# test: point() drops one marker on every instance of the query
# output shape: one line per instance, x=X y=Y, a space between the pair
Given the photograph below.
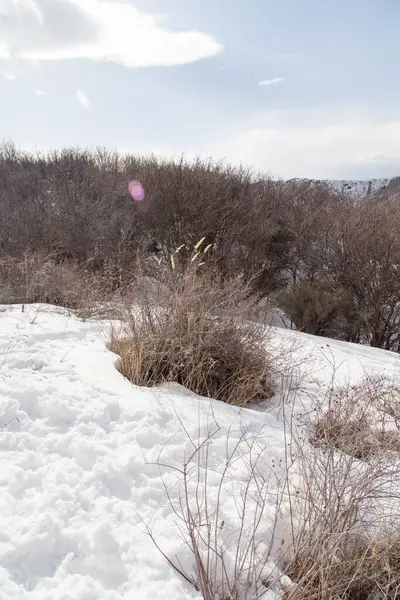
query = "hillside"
x=80 y=490
x=360 y=188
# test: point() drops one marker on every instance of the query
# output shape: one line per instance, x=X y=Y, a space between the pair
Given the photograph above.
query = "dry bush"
x=344 y=277
x=335 y=534
x=344 y=511
x=76 y=203
x=38 y=279
x=366 y=570
x=335 y=542
x=366 y=264
x=228 y=526
x=73 y=201
x=314 y=307
x=201 y=337
x=310 y=212
x=359 y=420
x=328 y=250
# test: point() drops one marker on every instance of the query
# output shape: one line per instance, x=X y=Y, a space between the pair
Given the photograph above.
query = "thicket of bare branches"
x=320 y=523
x=227 y=512
x=331 y=263
x=344 y=506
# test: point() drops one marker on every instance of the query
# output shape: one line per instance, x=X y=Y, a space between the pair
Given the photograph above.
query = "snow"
x=78 y=446
x=355 y=188
x=360 y=188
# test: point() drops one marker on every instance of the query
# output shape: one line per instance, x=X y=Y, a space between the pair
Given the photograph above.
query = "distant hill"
x=361 y=188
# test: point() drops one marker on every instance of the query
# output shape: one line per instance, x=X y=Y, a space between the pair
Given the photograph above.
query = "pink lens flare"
x=136 y=190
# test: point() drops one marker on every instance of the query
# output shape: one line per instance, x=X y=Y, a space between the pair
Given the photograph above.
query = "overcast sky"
x=294 y=88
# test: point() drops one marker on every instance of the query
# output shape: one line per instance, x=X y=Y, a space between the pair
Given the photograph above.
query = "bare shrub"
x=344 y=510
x=338 y=543
x=36 y=278
x=229 y=527
x=366 y=570
x=343 y=275
x=319 y=252
x=201 y=337
x=366 y=264
x=327 y=520
x=358 y=420
x=314 y=307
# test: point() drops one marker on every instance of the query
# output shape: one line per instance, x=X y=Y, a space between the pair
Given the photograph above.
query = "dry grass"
x=360 y=420
x=336 y=532
x=201 y=337
x=366 y=571
x=345 y=519
x=335 y=535
x=37 y=278
x=353 y=436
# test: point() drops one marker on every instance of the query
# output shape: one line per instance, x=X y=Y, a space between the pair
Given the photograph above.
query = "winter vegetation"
x=70 y=233
x=200 y=392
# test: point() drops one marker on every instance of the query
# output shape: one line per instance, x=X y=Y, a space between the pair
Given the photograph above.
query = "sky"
x=290 y=88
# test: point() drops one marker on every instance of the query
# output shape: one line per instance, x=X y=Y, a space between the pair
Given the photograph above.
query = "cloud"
x=288 y=56
x=274 y=81
x=40 y=92
x=8 y=76
x=99 y=30
x=82 y=99
x=320 y=144
x=372 y=159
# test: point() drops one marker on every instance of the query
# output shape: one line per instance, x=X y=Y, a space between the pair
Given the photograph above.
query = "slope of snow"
x=78 y=443
x=355 y=188
x=360 y=188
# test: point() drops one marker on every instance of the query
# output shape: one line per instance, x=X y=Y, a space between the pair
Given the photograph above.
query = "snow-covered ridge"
x=359 y=188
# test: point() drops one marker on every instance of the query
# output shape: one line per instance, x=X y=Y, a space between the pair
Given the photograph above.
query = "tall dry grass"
x=198 y=334
x=38 y=278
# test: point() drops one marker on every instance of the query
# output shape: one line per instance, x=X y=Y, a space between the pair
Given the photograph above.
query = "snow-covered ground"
x=78 y=443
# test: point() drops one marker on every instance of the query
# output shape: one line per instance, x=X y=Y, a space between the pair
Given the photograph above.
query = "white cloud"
x=101 y=30
x=371 y=159
x=40 y=92
x=8 y=76
x=320 y=144
x=82 y=99
x=274 y=81
x=288 y=56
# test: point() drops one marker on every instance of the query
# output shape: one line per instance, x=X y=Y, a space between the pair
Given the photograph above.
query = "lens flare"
x=136 y=190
